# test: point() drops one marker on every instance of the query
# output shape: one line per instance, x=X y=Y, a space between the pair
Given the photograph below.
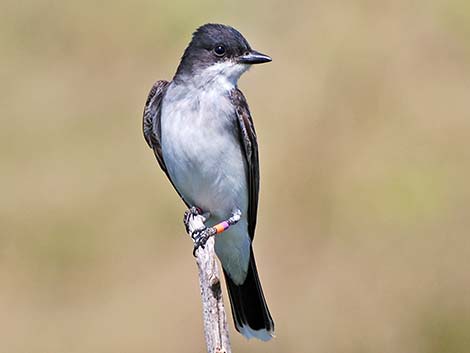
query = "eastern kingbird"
x=201 y=131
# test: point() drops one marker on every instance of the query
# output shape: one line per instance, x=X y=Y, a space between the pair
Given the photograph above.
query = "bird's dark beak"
x=254 y=57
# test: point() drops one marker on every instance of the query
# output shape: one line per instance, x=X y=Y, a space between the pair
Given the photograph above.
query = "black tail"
x=250 y=311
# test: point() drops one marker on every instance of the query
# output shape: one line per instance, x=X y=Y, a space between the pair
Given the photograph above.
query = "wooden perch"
x=215 y=318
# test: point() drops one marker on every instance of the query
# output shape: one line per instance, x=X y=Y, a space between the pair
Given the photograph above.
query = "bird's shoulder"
x=152 y=112
x=245 y=120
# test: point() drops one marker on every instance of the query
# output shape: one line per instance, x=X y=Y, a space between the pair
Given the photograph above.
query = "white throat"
x=223 y=75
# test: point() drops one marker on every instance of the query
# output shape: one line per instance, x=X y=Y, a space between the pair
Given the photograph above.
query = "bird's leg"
x=201 y=234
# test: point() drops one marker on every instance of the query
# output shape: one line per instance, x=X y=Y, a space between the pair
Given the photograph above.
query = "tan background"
x=363 y=120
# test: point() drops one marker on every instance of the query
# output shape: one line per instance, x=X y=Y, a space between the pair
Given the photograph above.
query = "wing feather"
x=151 y=120
x=250 y=147
x=151 y=125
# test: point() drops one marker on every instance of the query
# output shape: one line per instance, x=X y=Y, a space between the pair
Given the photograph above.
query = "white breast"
x=201 y=149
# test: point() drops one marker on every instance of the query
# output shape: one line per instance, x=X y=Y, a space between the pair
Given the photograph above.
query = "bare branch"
x=215 y=318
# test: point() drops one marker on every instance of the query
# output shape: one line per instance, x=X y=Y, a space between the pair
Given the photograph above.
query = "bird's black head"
x=221 y=48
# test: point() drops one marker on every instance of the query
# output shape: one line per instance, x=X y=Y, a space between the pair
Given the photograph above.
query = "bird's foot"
x=189 y=215
x=193 y=220
x=200 y=238
x=194 y=223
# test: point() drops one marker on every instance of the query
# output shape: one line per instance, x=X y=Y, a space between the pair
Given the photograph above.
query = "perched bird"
x=201 y=131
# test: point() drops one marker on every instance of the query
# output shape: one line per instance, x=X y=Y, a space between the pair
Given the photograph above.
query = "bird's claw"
x=200 y=237
x=189 y=215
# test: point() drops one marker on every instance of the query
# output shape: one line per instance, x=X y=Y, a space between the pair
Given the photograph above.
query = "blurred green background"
x=363 y=120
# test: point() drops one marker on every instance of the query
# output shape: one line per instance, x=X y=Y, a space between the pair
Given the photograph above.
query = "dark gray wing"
x=250 y=145
x=151 y=121
x=151 y=124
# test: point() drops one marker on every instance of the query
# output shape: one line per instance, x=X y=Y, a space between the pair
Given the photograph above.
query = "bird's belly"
x=206 y=164
x=206 y=185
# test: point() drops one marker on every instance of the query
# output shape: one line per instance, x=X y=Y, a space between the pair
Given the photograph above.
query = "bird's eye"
x=219 y=50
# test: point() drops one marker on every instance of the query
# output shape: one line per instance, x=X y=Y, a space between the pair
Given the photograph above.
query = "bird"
x=200 y=129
